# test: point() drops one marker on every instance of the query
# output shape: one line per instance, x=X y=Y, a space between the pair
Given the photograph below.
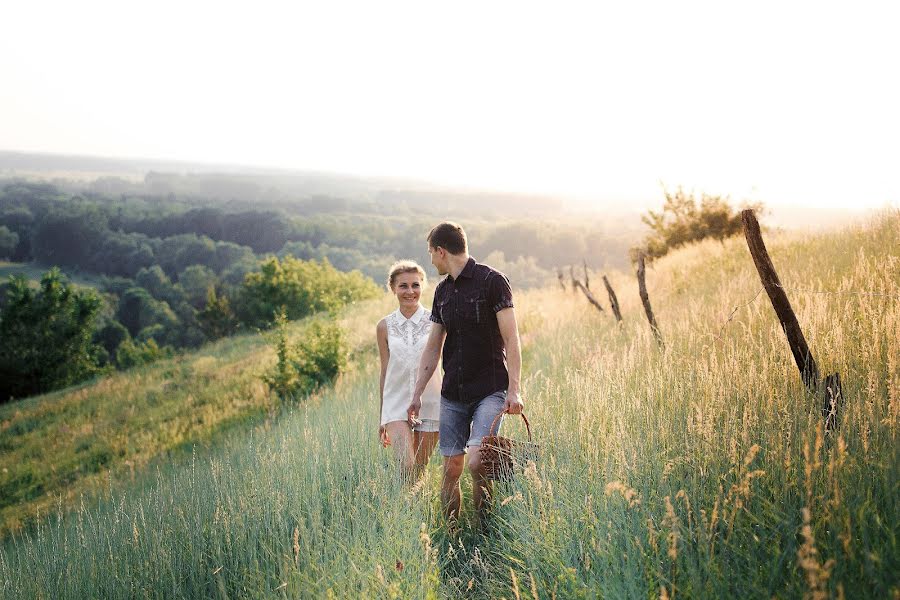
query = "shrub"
x=134 y=354
x=312 y=362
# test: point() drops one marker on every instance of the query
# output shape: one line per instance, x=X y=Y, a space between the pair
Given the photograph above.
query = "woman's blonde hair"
x=405 y=266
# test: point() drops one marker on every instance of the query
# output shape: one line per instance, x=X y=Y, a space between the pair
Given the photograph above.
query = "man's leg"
x=450 y=494
x=481 y=485
x=456 y=419
x=483 y=418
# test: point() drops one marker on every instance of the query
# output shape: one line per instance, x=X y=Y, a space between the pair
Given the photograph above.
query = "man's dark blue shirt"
x=474 y=354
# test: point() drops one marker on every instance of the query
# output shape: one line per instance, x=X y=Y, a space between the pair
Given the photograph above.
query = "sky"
x=789 y=103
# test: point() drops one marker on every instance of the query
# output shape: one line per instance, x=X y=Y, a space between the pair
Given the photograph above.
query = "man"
x=474 y=319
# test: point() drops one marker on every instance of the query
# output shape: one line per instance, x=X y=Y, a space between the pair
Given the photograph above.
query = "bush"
x=134 y=354
x=314 y=361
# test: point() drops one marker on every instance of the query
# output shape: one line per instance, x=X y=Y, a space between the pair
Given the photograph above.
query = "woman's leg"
x=424 y=441
x=402 y=442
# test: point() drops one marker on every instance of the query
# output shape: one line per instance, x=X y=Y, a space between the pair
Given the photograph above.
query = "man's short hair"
x=449 y=236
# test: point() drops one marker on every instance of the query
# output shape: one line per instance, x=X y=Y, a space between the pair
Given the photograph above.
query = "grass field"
x=700 y=470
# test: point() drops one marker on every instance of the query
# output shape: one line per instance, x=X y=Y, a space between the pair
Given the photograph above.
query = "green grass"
x=699 y=470
x=60 y=445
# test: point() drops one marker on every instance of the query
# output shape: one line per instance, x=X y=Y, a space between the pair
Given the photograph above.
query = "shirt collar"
x=469 y=269
x=416 y=316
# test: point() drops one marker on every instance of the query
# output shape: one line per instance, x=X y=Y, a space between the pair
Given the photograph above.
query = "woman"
x=401 y=338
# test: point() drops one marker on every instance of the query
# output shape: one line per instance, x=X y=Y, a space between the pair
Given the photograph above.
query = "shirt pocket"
x=474 y=308
x=441 y=307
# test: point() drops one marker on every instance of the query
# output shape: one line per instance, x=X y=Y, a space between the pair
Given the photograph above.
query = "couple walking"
x=473 y=323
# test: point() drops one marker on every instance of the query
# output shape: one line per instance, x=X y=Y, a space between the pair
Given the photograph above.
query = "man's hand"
x=383 y=436
x=412 y=413
x=514 y=403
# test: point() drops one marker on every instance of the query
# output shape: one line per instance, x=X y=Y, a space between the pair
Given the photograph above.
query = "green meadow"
x=697 y=470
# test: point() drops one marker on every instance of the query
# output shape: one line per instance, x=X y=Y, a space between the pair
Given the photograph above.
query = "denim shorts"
x=427 y=426
x=463 y=424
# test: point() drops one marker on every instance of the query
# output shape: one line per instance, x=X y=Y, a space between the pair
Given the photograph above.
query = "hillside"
x=697 y=470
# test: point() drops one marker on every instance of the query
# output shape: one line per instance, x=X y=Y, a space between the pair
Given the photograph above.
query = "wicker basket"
x=501 y=456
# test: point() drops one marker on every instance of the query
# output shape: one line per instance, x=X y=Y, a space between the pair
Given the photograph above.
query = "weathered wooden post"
x=809 y=370
x=559 y=275
x=587 y=280
x=588 y=293
x=645 y=299
x=613 y=301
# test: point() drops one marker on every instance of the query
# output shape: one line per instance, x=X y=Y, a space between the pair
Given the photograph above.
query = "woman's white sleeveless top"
x=406 y=340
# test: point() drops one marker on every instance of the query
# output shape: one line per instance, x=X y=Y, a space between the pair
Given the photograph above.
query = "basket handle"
x=503 y=412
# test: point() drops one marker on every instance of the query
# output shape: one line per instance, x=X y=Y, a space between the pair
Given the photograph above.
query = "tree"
x=46 y=336
x=8 y=242
x=138 y=310
x=217 y=320
x=111 y=336
x=682 y=221
x=121 y=254
x=195 y=281
x=157 y=283
x=69 y=235
x=299 y=287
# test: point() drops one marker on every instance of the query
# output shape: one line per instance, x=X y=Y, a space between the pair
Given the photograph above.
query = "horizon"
x=600 y=106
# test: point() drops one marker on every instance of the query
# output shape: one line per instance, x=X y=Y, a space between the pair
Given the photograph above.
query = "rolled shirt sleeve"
x=435 y=309
x=499 y=293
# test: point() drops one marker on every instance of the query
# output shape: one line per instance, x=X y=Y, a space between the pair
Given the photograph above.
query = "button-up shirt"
x=474 y=353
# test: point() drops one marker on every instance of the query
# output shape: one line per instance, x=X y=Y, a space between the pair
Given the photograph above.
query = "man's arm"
x=509 y=330
x=431 y=355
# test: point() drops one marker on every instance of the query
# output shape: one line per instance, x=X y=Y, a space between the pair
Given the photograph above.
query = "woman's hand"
x=383 y=436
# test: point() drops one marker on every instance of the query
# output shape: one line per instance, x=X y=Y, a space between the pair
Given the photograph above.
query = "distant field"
x=34 y=273
x=699 y=470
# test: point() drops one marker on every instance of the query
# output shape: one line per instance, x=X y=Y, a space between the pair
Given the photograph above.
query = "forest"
x=181 y=260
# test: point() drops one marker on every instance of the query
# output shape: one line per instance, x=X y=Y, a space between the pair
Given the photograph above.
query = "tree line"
x=178 y=272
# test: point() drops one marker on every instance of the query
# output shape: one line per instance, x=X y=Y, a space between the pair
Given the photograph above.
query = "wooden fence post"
x=587 y=281
x=613 y=301
x=809 y=370
x=588 y=293
x=645 y=299
x=559 y=275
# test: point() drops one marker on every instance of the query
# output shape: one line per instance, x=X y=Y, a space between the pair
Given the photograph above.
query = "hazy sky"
x=785 y=102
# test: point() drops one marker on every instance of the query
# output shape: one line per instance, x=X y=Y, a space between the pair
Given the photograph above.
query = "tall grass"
x=700 y=470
